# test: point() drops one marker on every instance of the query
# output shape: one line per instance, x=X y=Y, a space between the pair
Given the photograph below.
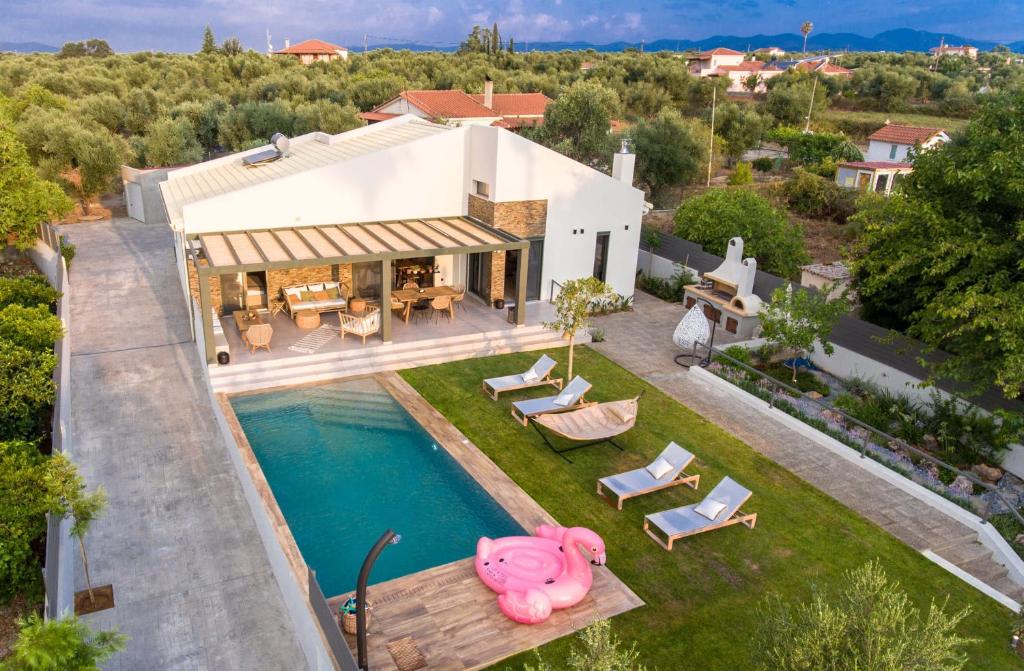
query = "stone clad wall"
x=193 y=285
x=278 y=279
x=523 y=218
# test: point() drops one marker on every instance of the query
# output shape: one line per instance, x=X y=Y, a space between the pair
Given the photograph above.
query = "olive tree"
x=26 y=200
x=796 y=320
x=573 y=307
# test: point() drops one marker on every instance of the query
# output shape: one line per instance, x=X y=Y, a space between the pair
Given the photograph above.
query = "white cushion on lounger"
x=659 y=468
x=330 y=285
x=563 y=399
x=709 y=508
x=530 y=375
x=293 y=291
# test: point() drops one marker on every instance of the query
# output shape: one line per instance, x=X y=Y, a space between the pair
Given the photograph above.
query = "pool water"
x=345 y=462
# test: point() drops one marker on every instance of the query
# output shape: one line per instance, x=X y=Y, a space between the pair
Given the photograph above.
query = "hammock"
x=597 y=423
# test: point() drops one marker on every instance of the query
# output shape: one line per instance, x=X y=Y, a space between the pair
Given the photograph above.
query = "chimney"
x=623 y=163
x=287 y=43
x=488 y=93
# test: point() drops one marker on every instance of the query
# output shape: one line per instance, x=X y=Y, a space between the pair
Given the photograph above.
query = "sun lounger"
x=642 y=481
x=589 y=424
x=538 y=375
x=687 y=521
x=570 y=397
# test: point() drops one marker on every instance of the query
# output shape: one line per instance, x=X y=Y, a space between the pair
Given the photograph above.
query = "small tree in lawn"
x=795 y=320
x=59 y=645
x=870 y=625
x=599 y=650
x=573 y=306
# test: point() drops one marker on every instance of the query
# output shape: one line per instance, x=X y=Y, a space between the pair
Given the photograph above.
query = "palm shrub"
x=61 y=645
x=869 y=625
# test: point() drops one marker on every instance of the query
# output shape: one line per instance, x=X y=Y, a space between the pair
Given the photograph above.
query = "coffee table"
x=307 y=319
x=243 y=322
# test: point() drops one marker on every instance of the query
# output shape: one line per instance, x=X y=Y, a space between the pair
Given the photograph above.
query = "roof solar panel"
x=261 y=157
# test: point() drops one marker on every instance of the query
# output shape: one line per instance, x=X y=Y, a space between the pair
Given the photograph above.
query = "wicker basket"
x=348 y=620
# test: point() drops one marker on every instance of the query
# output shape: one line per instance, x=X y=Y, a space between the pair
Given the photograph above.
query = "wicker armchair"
x=259 y=335
x=362 y=326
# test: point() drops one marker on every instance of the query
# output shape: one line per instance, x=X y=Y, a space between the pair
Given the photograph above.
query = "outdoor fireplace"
x=729 y=289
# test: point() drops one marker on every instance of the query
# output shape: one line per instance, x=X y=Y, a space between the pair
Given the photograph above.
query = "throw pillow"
x=530 y=375
x=320 y=295
x=333 y=292
x=293 y=299
x=307 y=297
x=659 y=468
x=315 y=287
x=710 y=508
x=563 y=399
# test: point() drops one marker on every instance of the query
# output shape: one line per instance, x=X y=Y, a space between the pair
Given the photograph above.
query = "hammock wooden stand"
x=591 y=425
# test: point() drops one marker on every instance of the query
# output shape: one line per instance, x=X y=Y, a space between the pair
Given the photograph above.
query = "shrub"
x=763 y=164
x=58 y=645
x=717 y=215
x=32 y=328
x=741 y=354
x=805 y=380
x=743 y=174
x=22 y=520
x=67 y=251
x=965 y=435
x=672 y=289
x=599 y=650
x=807 y=148
x=27 y=291
x=870 y=625
x=814 y=196
x=26 y=390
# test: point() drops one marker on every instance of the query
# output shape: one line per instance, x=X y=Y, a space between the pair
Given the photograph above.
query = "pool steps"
x=292 y=370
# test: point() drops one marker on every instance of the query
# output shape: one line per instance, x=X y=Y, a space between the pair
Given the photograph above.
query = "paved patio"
x=641 y=342
x=191 y=580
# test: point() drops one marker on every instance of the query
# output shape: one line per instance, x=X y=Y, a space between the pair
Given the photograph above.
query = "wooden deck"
x=452 y=616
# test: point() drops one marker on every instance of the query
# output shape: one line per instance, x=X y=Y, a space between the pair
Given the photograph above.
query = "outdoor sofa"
x=318 y=297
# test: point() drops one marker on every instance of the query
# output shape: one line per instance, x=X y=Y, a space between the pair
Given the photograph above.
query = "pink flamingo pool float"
x=534 y=575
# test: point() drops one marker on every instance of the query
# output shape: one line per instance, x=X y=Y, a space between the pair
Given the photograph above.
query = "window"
x=892 y=151
x=601 y=256
x=481 y=188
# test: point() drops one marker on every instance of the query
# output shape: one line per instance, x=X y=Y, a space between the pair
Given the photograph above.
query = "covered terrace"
x=250 y=269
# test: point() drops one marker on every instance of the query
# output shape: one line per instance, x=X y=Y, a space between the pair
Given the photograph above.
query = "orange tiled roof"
x=453 y=104
x=877 y=165
x=312 y=47
x=720 y=51
x=376 y=116
x=516 y=104
x=904 y=134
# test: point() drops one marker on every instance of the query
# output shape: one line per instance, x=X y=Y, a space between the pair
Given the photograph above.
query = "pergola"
x=256 y=250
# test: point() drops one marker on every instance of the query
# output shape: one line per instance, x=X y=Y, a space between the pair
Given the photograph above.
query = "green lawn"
x=702 y=598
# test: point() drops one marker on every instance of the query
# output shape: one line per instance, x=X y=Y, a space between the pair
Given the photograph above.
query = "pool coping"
x=487 y=474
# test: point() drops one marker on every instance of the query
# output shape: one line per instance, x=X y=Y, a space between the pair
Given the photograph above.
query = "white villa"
x=888 y=157
x=399 y=206
x=707 y=62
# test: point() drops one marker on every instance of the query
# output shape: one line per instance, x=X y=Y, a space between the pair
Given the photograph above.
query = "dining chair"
x=442 y=305
x=410 y=285
x=402 y=307
x=458 y=297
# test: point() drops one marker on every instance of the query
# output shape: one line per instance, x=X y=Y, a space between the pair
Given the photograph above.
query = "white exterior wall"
x=578 y=198
x=879 y=151
x=419 y=179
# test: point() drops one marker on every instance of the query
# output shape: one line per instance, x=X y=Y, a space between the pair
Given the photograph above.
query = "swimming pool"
x=345 y=461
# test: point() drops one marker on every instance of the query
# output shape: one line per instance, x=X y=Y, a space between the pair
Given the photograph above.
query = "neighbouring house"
x=313 y=51
x=966 y=51
x=770 y=52
x=739 y=75
x=706 y=63
x=889 y=156
x=403 y=202
x=821 y=65
x=586 y=66
x=834 y=276
x=458 y=108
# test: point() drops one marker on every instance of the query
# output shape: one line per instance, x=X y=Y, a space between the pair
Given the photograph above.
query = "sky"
x=177 y=25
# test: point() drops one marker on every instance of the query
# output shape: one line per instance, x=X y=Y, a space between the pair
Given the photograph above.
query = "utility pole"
x=364 y=43
x=810 y=108
x=711 y=143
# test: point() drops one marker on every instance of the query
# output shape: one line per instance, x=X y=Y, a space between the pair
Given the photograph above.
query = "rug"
x=406 y=655
x=315 y=339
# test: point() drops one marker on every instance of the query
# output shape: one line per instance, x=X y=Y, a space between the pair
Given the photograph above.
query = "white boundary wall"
x=987 y=534
x=305 y=626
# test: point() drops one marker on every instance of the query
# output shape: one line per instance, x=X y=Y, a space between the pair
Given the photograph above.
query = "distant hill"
x=901 y=39
x=28 y=47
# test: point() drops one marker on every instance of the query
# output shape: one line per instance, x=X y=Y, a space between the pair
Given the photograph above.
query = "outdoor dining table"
x=411 y=296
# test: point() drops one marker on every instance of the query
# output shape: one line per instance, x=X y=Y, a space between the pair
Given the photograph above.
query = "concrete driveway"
x=192 y=584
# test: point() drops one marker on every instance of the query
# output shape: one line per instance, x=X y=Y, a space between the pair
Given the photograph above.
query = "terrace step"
x=375 y=359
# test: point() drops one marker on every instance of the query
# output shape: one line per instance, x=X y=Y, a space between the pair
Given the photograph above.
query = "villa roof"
x=719 y=51
x=241 y=251
x=312 y=47
x=449 y=104
x=516 y=104
x=904 y=134
x=307 y=152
